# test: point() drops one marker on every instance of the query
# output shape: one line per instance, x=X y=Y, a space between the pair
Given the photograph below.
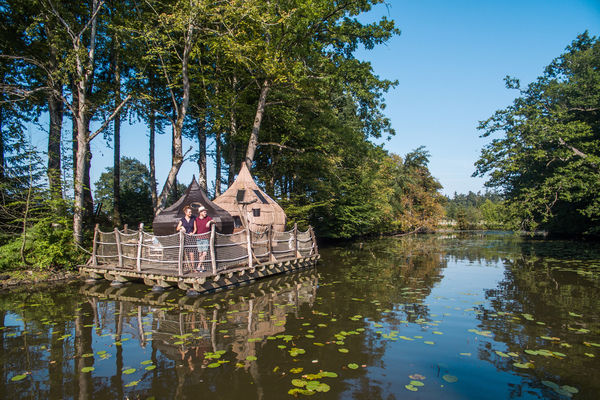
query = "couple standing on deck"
x=196 y=226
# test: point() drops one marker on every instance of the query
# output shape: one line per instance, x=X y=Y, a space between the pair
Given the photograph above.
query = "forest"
x=275 y=85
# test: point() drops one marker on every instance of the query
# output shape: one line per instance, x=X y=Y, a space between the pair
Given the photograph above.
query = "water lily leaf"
x=213 y=365
x=281 y=346
x=465 y=354
x=17 y=378
x=299 y=382
x=86 y=355
x=523 y=365
x=150 y=367
x=353 y=366
x=146 y=362
x=450 y=378
x=251 y=358
x=87 y=369
x=429 y=342
x=550 y=384
x=570 y=389
x=310 y=336
x=513 y=354
x=319 y=344
x=296 y=370
x=437 y=333
x=411 y=388
x=327 y=374
x=591 y=344
x=556 y=353
x=134 y=383
x=501 y=354
x=342 y=350
x=589 y=355
x=129 y=371
x=572 y=314
x=532 y=352
x=417 y=383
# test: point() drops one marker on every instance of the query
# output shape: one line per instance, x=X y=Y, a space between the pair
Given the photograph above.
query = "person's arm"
x=195 y=226
x=210 y=221
x=179 y=226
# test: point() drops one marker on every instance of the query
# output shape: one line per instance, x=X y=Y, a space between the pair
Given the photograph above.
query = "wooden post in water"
x=126 y=229
x=139 y=250
x=119 y=251
x=95 y=246
x=249 y=243
x=181 y=245
x=213 y=253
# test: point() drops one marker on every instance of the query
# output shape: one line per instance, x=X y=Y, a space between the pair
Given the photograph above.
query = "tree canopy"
x=545 y=152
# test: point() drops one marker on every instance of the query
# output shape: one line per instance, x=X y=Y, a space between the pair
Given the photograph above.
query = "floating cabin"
x=259 y=247
x=250 y=206
x=166 y=222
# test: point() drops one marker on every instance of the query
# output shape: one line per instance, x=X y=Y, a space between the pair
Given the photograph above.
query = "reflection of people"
x=187 y=224
x=202 y=227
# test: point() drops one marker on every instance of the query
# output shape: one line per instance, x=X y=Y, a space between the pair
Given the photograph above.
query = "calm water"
x=477 y=316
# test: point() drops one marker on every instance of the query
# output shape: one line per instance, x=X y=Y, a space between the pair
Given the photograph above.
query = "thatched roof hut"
x=250 y=206
x=166 y=222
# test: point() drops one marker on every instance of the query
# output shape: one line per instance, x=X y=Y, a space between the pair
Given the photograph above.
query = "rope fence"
x=210 y=253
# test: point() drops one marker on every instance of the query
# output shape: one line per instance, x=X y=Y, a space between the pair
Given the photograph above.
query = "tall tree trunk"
x=55 y=111
x=2 y=166
x=233 y=167
x=117 y=139
x=218 y=164
x=177 y=146
x=260 y=111
x=201 y=133
x=152 y=160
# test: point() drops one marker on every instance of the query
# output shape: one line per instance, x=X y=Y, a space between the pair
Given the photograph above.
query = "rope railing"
x=210 y=253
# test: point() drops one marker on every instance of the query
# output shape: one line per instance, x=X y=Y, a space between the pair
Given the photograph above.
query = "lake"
x=482 y=316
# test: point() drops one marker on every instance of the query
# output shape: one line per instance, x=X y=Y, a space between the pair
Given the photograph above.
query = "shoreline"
x=23 y=278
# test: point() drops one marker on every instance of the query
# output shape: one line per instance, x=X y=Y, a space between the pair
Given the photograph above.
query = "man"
x=202 y=228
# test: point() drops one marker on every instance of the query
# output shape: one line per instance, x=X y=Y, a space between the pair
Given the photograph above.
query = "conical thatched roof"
x=166 y=222
x=250 y=206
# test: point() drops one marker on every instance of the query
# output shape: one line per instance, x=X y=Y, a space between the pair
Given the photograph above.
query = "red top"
x=201 y=225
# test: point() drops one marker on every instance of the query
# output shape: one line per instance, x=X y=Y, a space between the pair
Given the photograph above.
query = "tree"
x=136 y=199
x=547 y=159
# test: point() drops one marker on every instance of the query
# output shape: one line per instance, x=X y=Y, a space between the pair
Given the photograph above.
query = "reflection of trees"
x=534 y=300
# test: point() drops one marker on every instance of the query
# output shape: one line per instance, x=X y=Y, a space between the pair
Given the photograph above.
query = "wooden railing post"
x=119 y=250
x=270 y=242
x=296 y=254
x=213 y=253
x=249 y=243
x=181 y=245
x=126 y=229
x=95 y=246
x=314 y=241
x=139 y=250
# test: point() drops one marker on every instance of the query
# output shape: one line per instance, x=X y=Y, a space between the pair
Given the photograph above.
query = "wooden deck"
x=205 y=282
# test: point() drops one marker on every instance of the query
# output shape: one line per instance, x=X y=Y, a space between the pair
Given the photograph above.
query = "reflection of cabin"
x=250 y=206
x=166 y=222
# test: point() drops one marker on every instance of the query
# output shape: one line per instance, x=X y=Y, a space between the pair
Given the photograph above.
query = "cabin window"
x=256 y=212
x=240 y=195
x=260 y=196
x=237 y=221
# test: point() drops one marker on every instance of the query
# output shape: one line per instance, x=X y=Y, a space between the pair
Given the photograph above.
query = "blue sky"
x=450 y=61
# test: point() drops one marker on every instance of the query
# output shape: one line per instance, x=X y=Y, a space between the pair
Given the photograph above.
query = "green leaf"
x=17 y=378
x=450 y=378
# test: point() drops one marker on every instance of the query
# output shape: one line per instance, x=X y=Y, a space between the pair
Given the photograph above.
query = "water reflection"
x=455 y=316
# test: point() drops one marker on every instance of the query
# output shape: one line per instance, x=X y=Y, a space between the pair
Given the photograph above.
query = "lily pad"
x=129 y=371
x=450 y=378
x=417 y=383
x=342 y=350
x=150 y=367
x=251 y=358
x=411 y=388
x=353 y=366
x=87 y=369
x=134 y=383
x=17 y=378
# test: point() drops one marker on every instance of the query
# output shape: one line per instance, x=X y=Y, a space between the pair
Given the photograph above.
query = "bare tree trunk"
x=55 y=111
x=260 y=111
x=2 y=166
x=152 y=160
x=24 y=232
x=218 y=164
x=201 y=133
x=117 y=139
x=182 y=110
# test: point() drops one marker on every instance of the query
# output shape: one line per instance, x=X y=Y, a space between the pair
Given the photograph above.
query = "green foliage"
x=136 y=200
x=48 y=243
x=547 y=158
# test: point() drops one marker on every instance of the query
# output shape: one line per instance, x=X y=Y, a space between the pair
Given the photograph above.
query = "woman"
x=187 y=224
x=202 y=228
